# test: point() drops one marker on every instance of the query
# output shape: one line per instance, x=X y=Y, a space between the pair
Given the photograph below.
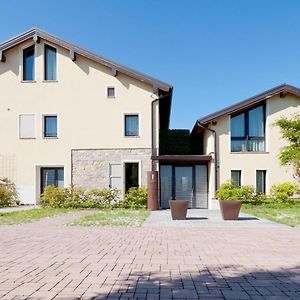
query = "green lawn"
x=114 y=218
x=31 y=215
x=285 y=213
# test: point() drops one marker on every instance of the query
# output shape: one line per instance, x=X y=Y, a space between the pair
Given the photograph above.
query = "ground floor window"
x=236 y=177
x=131 y=175
x=261 y=181
x=52 y=176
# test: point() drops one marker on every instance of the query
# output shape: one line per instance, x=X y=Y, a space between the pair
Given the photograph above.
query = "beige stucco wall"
x=87 y=119
x=248 y=162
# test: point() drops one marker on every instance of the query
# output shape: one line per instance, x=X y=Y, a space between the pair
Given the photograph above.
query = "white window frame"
x=19 y=126
x=111 y=87
x=43 y=126
x=22 y=48
x=125 y=161
x=139 y=125
x=43 y=63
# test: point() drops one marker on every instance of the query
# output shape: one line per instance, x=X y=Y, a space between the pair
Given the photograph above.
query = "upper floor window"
x=248 y=130
x=28 y=63
x=131 y=125
x=111 y=92
x=50 y=126
x=27 y=126
x=50 y=63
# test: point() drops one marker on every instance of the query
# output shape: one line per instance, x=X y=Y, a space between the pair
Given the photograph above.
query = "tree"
x=290 y=154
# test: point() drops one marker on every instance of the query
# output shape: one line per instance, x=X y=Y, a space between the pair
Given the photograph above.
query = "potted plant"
x=229 y=201
x=178 y=209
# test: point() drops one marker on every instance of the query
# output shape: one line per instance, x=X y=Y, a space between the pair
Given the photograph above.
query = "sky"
x=215 y=52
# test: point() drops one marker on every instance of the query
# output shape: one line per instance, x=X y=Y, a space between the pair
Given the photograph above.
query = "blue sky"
x=214 y=53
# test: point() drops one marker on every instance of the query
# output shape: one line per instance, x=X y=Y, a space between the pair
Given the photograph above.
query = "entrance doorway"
x=131 y=170
x=184 y=183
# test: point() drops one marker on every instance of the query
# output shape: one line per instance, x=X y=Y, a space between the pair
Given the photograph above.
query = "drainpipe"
x=152 y=121
x=215 y=151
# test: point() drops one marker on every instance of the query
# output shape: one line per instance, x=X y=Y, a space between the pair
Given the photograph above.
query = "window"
x=50 y=126
x=111 y=92
x=261 y=181
x=131 y=125
x=236 y=177
x=28 y=63
x=27 y=126
x=248 y=131
x=52 y=176
x=50 y=63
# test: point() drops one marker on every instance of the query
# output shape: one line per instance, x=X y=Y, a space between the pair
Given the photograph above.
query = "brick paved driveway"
x=46 y=260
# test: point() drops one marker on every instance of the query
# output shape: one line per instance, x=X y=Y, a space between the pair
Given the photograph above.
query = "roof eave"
x=157 y=84
x=250 y=102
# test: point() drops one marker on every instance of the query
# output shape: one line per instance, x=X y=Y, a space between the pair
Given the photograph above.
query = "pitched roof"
x=284 y=88
x=37 y=33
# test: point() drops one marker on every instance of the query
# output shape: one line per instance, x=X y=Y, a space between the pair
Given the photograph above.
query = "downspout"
x=215 y=152
x=152 y=122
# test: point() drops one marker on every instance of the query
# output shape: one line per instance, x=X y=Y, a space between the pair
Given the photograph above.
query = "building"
x=244 y=142
x=71 y=117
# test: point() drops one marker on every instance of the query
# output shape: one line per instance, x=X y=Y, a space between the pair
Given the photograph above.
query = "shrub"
x=55 y=197
x=8 y=195
x=228 y=191
x=104 y=198
x=78 y=197
x=135 y=198
x=283 y=191
x=245 y=193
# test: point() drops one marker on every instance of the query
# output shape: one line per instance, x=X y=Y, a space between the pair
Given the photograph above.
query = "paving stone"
x=240 y=260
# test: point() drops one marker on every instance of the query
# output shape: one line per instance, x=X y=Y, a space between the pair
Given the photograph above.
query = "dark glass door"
x=52 y=176
x=131 y=175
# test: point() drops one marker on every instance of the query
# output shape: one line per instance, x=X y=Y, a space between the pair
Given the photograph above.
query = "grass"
x=285 y=213
x=31 y=215
x=115 y=218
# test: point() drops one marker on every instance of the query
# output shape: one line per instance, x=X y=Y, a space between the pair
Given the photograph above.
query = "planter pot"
x=230 y=209
x=178 y=209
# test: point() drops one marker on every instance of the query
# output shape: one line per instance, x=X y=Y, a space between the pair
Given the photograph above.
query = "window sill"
x=28 y=81
x=132 y=136
x=250 y=152
x=27 y=138
x=49 y=81
x=50 y=137
x=111 y=97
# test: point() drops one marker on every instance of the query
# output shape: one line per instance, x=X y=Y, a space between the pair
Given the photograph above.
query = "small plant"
x=8 y=193
x=282 y=192
x=135 y=198
x=228 y=191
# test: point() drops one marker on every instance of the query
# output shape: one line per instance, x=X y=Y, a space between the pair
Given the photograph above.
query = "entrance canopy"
x=190 y=159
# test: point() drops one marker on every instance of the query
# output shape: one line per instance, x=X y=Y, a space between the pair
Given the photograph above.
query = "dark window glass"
x=28 y=63
x=131 y=175
x=50 y=63
x=52 y=176
x=110 y=92
x=261 y=181
x=248 y=131
x=50 y=126
x=236 y=177
x=131 y=125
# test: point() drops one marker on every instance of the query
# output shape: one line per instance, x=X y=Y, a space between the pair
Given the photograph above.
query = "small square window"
x=50 y=126
x=111 y=92
x=131 y=125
